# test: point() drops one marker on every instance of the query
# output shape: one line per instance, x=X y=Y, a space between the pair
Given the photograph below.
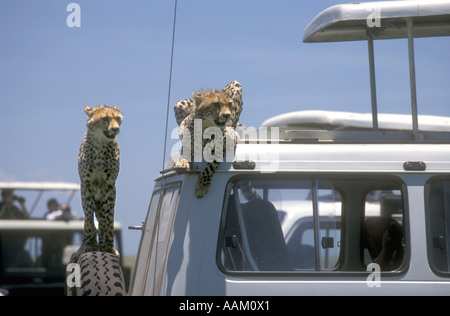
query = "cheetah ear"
x=197 y=97
x=87 y=110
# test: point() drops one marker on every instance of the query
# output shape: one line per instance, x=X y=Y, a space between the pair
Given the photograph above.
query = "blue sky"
x=120 y=57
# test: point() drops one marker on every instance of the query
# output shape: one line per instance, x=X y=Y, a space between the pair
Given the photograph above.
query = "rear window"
x=312 y=225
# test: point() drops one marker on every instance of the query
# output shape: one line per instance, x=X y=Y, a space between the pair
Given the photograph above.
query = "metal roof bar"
x=373 y=87
x=412 y=75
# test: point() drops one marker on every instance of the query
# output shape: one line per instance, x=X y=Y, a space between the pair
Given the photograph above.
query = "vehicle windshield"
x=39 y=253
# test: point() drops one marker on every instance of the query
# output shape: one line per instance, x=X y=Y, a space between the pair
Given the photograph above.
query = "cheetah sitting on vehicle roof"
x=219 y=108
x=98 y=167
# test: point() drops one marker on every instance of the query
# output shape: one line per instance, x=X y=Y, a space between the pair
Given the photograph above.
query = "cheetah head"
x=104 y=121
x=213 y=106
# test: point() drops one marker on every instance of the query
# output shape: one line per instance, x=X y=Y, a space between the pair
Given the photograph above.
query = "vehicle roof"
x=349 y=22
x=338 y=142
x=40 y=186
x=333 y=120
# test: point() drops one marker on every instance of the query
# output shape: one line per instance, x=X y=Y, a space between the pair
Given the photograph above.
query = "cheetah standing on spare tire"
x=99 y=270
x=98 y=167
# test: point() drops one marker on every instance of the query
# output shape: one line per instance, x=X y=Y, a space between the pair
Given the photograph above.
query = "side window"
x=310 y=225
x=383 y=229
x=289 y=225
x=438 y=224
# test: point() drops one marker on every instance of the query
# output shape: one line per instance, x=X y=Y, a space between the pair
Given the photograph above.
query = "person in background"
x=52 y=206
x=7 y=208
x=56 y=213
x=391 y=255
x=248 y=191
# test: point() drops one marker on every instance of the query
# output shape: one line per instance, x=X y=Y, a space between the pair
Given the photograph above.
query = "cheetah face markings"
x=104 y=121
x=215 y=108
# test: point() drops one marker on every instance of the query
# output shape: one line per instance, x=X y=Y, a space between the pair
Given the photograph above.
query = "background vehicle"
x=34 y=252
x=312 y=200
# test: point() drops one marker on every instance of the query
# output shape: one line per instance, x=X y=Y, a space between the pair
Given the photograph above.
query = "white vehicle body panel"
x=191 y=265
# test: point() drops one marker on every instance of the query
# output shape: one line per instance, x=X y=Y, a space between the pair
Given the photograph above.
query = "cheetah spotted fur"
x=98 y=168
x=220 y=108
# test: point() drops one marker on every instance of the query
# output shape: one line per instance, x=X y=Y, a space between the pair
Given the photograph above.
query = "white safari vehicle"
x=34 y=252
x=316 y=203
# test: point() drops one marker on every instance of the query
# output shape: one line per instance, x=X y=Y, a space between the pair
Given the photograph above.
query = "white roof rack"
x=347 y=127
x=333 y=121
x=380 y=20
x=40 y=186
x=383 y=20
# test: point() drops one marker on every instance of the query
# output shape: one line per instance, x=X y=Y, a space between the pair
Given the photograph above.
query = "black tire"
x=100 y=275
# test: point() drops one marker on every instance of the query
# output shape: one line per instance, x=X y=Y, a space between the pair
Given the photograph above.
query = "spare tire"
x=100 y=274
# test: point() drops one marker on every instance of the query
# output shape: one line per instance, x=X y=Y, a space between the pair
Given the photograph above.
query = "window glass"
x=147 y=239
x=21 y=251
x=287 y=225
x=34 y=253
x=383 y=232
x=158 y=234
x=310 y=225
x=438 y=224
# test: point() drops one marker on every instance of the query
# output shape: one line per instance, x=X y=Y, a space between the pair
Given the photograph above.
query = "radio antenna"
x=159 y=210
x=170 y=83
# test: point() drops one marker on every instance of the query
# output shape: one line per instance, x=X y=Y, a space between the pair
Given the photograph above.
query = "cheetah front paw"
x=183 y=163
x=110 y=250
x=84 y=248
